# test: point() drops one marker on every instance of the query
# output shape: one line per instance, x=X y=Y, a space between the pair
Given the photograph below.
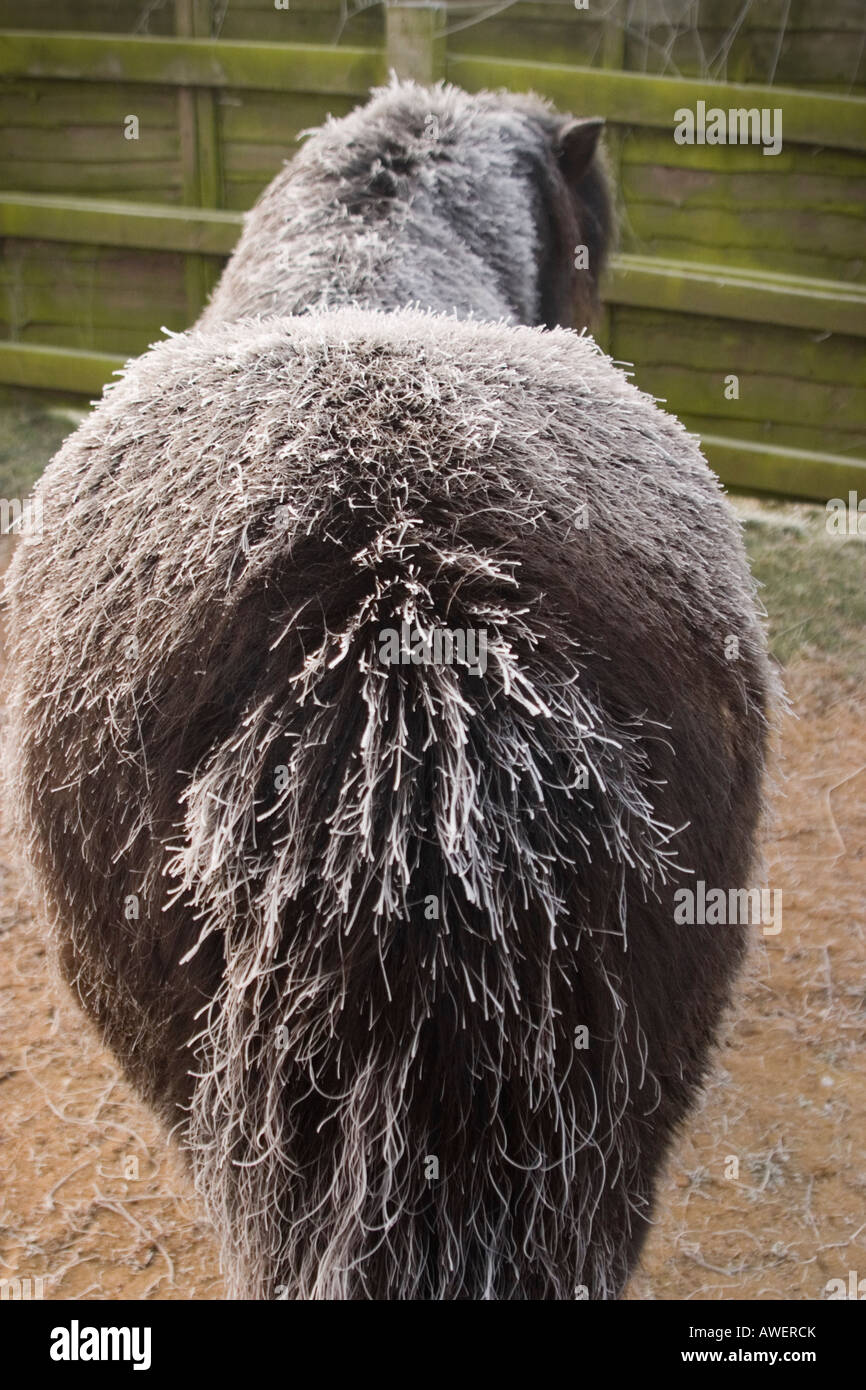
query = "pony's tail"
x=392 y=1097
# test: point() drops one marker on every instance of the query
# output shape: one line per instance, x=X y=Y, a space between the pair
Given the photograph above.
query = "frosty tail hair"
x=390 y=1100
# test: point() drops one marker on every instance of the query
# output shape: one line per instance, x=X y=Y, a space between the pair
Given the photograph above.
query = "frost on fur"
x=469 y=205
x=382 y=906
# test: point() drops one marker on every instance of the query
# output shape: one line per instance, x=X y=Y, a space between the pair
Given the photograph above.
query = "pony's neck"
x=429 y=247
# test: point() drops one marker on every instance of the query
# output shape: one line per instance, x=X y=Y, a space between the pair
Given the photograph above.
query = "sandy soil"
x=96 y=1203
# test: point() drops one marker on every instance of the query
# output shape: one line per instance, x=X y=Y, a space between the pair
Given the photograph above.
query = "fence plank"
x=752 y=467
x=667 y=205
x=110 y=222
x=192 y=62
x=202 y=180
x=753 y=297
x=414 y=40
x=630 y=98
x=56 y=369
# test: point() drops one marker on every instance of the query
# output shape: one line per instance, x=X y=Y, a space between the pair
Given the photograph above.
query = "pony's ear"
x=576 y=145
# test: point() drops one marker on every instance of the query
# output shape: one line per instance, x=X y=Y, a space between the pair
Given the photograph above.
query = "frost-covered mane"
x=466 y=205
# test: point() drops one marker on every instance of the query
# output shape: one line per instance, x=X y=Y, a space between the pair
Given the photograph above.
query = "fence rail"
x=812 y=118
x=809 y=118
x=182 y=62
x=648 y=282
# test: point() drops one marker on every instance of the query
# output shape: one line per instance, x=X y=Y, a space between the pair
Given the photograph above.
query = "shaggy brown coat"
x=393 y=945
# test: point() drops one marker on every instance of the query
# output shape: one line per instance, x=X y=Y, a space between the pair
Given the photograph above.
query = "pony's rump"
x=380 y=661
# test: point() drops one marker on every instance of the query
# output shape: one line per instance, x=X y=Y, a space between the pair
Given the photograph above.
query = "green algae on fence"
x=753 y=467
x=191 y=62
x=56 y=369
x=110 y=222
x=732 y=293
x=810 y=118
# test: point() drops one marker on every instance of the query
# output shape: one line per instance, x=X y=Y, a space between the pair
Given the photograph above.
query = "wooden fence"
x=129 y=158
